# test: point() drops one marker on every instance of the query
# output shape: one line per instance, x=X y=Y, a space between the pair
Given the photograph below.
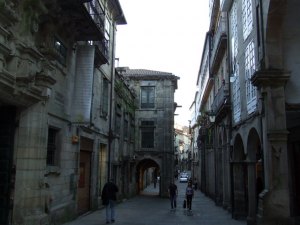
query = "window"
x=132 y=128
x=236 y=96
x=147 y=134
x=118 y=115
x=125 y=127
x=61 y=50
x=247 y=18
x=249 y=70
x=147 y=97
x=107 y=31
x=105 y=100
x=52 y=147
x=234 y=33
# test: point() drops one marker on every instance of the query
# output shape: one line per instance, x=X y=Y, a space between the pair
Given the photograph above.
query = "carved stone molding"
x=277 y=135
x=270 y=78
x=8 y=16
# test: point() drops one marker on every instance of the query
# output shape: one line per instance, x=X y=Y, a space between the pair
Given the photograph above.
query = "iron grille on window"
x=61 y=50
x=147 y=97
x=51 y=147
x=147 y=134
x=105 y=96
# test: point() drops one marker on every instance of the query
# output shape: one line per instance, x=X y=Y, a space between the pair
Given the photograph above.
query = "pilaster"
x=30 y=195
x=274 y=201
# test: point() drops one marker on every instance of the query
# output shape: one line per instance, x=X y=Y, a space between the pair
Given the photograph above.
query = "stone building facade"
x=248 y=110
x=154 y=123
x=56 y=88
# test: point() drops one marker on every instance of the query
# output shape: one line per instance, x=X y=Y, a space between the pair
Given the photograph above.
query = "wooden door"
x=84 y=182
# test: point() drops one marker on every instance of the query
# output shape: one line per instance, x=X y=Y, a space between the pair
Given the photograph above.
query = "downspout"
x=231 y=182
x=110 y=132
x=262 y=64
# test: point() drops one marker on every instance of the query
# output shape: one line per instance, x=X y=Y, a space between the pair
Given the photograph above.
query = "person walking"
x=189 y=194
x=195 y=184
x=109 y=198
x=173 y=193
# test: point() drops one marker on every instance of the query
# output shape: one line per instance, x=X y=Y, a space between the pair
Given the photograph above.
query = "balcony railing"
x=218 y=43
x=214 y=6
x=221 y=98
x=97 y=13
x=102 y=53
x=84 y=19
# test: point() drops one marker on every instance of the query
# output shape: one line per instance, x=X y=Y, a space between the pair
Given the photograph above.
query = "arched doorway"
x=255 y=173
x=219 y=169
x=239 y=180
x=148 y=173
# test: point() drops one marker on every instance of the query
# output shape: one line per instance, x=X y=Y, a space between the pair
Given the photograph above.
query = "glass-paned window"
x=234 y=33
x=118 y=114
x=249 y=71
x=61 y=50
x=132 y=128
x=247 y=18
x=147 y=97
x=105 y=100
x=52 y=147
x=147 y=134
x=107 y=30
x=236 y=94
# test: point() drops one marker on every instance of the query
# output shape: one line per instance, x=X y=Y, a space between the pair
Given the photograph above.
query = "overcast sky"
x=167 y=36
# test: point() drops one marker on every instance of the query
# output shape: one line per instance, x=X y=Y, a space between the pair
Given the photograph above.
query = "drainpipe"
x=231 y=182
x=110 y=132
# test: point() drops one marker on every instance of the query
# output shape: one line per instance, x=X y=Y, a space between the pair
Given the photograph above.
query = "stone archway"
x=147 y=171
x=239 y=180
x=255 y=173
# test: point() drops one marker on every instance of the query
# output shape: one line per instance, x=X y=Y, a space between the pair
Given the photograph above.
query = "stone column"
x=274 y=203
x=251 y=218
x=31 y=151
x=226 y=176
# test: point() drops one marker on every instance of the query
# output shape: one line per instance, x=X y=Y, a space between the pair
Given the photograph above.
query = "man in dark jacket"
x=109 y=200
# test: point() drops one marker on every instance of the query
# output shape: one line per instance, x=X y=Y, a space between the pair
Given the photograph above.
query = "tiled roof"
x=126 y=71
x=143 y=72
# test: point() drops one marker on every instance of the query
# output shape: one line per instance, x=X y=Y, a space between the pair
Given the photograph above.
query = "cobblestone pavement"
x=149 y=209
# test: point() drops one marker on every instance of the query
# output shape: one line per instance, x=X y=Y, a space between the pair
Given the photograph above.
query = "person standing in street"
x=173 y=192
x=109 y=198
x=189 y=194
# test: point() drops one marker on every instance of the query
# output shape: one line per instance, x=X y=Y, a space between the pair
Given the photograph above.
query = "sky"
x=167 y=36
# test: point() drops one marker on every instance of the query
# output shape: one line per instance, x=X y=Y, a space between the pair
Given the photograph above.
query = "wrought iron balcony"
x=221 y=99
x=219 y=43
x=214 y=6
x=102 y=53
x=82 y=18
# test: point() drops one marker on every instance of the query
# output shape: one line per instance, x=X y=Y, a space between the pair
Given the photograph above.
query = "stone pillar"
x=251 y=218
x=274 y=203
x=31 y=151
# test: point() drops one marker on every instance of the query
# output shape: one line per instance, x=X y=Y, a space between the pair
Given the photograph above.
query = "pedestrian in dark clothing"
x=195 y=184
x=173 y=192
x=154 y=181
x=109 y=200
x=189 y=193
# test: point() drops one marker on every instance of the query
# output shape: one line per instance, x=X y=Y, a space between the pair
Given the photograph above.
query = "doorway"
x=7 y=121
x=84 y=182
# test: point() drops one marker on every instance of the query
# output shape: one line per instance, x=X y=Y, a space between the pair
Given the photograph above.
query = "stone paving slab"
x=149 y=209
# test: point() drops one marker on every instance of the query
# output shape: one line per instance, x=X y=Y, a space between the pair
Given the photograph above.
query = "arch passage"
x=239 y=182
x=147 y=170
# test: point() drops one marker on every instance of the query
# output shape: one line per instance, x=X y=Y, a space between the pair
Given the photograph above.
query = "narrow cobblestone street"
x=149 y=209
